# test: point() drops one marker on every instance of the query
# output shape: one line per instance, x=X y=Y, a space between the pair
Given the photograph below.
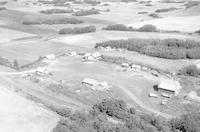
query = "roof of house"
x=90 y=81
x=169 y=85
x=50 y=56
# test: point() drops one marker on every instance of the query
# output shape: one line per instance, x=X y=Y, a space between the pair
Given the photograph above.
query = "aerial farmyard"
x=99 y=65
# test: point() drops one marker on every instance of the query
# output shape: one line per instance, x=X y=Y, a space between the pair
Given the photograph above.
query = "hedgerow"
x=166 y=48
x=118 y=27
x=52 y=11
x=166 y=10
x=78 y=30
x=86 y=12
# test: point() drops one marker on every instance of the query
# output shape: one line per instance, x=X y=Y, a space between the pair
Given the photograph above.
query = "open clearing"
x=7 y=35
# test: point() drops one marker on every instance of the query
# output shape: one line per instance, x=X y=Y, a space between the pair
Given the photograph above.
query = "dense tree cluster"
x=78 y=30
x=148 y=28
x=166 y=48
x=118 y=27
x=53 y=11
x=121 y=27
x=166 y=9
x=126 y=120
x=86 y=12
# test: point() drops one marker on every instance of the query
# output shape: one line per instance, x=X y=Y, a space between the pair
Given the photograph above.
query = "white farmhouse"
x=49 y=58
x=169 y=86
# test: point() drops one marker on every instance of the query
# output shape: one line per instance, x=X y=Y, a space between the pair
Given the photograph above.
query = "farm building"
x=49 y=58
x=170 y=87
x=41 y=71
x=136 y=67
x=125 y=65
x=153 y=95
x=96 y=85
x=90 y=82
x=92 y=57
x=73 y=53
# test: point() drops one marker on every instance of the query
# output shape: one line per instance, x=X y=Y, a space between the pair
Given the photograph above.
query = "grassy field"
x=23 y=114
x=7 y=35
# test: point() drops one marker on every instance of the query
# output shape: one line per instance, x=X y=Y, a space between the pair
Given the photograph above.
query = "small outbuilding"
x=169 y=86
x=90 y=82
x=154 y=95
x=41 y=71
x=49 y=58
x=136 y=67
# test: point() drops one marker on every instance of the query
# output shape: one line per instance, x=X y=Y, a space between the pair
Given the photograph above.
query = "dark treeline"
x=166 y=48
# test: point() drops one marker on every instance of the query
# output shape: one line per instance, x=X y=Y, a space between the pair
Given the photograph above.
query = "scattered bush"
x=148 y=5
x=78 y=30
x=92 y=2
x=86 y=12
x=3 y=2
x=2 y=8
x=167 y=48
x=154 y=15
x=62 y=21
x=118 y=27
x=56 y=2
x=52 y=11
x=190 y=4
x=187 y=123
x=190 y=70
x=166 y=10
x=198 y=31
x=127 y=1
x=148 y=28
x=112 y=59
x=142 y=12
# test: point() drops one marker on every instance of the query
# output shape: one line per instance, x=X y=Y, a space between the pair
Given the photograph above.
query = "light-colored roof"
x=170 y=85
x=153 y=95
x=90 y=81
x=51 y=56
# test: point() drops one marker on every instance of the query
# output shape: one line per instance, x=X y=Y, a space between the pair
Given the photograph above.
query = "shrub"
x=166 y=10
x=2 y=8
x=5 y=62
x=198 y=31
x=187 y=123
x=148 y=28
x=78 y=30
x=118 y=27
x=127 y=1
x=62 y=21
x=112 y=59
x=148 y=5
x=3 y=2
x=142 y=12
x=167 y=48
x=86 y=12
x=190 y=4
x=92 y=2
x=154 y=15
x=190 y=70
x=52 y=11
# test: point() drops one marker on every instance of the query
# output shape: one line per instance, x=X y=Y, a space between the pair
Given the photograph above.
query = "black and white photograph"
x=99 y=65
